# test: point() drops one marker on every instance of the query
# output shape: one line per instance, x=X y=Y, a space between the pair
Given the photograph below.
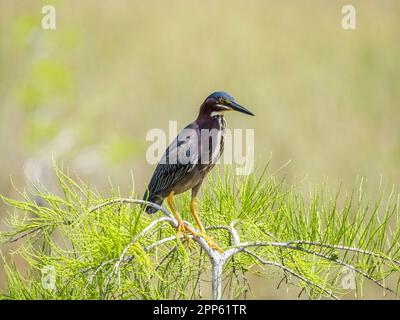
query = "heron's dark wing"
x=178 y=160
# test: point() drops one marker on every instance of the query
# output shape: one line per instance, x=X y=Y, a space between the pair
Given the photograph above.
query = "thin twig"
x=345 y=248
x=288 y=270
x=25 y=234
x=349 y=266
x=172 y=251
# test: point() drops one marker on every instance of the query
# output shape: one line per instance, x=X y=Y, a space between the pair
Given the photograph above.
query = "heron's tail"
x=152 y=198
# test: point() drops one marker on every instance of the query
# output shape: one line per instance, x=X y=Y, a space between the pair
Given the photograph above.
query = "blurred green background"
x=86 y=93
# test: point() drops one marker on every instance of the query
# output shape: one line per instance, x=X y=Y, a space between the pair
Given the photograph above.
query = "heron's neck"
x=211 y=120
x=218 y=120
x=206 y=112
x=216 y=114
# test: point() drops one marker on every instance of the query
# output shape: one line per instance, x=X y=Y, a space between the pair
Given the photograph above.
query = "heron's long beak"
x=237 y=107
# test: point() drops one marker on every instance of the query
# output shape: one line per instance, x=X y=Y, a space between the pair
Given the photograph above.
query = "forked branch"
x=218 y=260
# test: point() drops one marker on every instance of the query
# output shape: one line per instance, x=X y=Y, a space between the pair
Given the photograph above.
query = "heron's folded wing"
x=178 y=160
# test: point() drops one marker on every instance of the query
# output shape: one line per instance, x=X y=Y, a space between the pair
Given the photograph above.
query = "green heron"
x=190 y=157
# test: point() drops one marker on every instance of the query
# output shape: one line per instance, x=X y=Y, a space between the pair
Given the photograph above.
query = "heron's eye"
x=221 y=100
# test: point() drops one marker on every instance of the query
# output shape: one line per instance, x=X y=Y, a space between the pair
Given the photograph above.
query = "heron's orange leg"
x=210 y=242
x=181 y=225
x=170 y=201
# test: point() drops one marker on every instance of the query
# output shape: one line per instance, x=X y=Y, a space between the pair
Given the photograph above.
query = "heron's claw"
x=182 y=229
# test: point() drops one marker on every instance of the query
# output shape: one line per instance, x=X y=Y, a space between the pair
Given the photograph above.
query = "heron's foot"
x=211 y=242
x=183 y=229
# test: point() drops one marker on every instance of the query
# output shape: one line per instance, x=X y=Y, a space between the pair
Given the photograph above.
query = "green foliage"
x=307 y=241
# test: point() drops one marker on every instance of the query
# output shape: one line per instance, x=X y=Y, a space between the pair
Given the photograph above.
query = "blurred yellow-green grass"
x=86 y=93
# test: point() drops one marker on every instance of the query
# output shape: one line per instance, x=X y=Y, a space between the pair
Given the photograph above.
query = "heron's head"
x=220 y=102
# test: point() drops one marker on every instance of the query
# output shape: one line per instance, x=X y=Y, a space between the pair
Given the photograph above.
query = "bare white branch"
x=235 y=235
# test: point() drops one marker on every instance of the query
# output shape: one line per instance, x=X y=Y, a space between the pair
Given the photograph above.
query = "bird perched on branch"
x=190 y=157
